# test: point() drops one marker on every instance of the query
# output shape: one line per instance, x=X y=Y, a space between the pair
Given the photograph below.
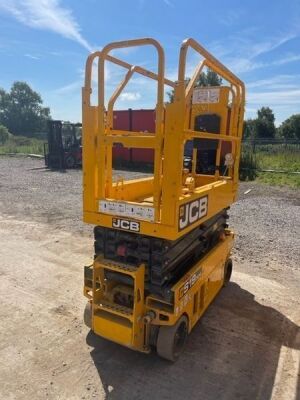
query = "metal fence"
x=274 y=145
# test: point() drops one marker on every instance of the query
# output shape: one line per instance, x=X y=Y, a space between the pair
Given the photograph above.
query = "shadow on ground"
x=232 y=353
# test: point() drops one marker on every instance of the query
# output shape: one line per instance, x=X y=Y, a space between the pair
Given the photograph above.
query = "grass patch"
x=21 y=144
x=280 y=159
x=277 y=179
x=277 y=157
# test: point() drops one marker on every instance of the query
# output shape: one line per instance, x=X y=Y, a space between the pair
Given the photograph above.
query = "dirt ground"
x=247 y=346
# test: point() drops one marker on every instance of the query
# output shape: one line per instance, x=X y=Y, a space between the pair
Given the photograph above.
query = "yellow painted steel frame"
x=164 y=193
x=130 y=327
x=110 y=320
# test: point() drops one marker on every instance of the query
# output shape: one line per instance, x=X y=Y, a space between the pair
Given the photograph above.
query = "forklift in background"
x=63 y=148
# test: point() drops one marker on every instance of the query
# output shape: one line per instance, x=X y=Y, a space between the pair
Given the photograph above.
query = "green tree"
x=265 y=123
x=290 y=128
x=22 y=111
x=261 y=127
x=4 y=134
x=209 y=78
x=266 y=114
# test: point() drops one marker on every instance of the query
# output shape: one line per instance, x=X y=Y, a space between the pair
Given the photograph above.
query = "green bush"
x=4 y=134
x=22 y=144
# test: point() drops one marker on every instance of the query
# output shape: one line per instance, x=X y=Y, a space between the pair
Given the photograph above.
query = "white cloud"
x=32 y=56
x=46 y=15
x=168 y=3
x=130 y=96
x=270 y=45
x=70 y=88
x=288 y=59
x=241 y=52
x=250 y=46
x=239 y=65
x=280 y=92
x=230 y=17
x=276 y=82
x=277 y=90
x=278 y=97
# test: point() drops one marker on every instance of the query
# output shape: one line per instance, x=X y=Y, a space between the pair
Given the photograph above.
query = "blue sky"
x=46 y=42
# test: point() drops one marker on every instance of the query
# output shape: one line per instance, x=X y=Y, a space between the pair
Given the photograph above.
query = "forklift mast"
x=53 y=149
x=63 y=147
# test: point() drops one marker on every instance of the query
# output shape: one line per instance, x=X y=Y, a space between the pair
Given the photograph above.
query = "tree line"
x=22 y=112
x=263 y=126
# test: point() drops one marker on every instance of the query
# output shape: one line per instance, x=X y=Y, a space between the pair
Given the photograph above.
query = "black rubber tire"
x=227 y=271
x=169 y=345
x=70 y=162
x=87 y=315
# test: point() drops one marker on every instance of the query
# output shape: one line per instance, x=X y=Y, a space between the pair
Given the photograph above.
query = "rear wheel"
x=87 y=315
x=227 y=271
x=171 y=339
x=70 y=162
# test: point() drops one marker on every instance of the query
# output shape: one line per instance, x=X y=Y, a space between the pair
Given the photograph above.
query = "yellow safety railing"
x=106 y=135
x=172 y=129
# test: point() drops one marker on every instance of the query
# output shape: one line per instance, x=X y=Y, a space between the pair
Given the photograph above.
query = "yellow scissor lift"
x=131 y=300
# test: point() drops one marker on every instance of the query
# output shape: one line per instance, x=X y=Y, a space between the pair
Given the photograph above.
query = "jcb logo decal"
x=126 y=224
x=191 y=212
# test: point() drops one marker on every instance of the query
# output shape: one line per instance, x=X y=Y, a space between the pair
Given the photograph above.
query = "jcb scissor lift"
x=162 y=243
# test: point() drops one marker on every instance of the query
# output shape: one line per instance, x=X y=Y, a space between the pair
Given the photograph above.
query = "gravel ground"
x=266 y=220
x=247 y=346
x=267 y=226
x=28 y=190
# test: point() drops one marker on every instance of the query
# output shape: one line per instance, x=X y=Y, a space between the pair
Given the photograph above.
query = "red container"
x=122 y=120
x=142 y=121
x=136 y=121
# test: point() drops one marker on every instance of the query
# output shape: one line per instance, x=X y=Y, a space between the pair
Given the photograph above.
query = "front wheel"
x=70 y=162
x=171 y=339
x=87 y=315
x=227 y=271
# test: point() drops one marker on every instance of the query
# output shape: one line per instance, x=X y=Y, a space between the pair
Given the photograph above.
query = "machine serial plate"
x=201 y=95
x=118 y=208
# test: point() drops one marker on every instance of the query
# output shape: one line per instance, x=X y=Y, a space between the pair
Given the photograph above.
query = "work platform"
x=173 y=201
